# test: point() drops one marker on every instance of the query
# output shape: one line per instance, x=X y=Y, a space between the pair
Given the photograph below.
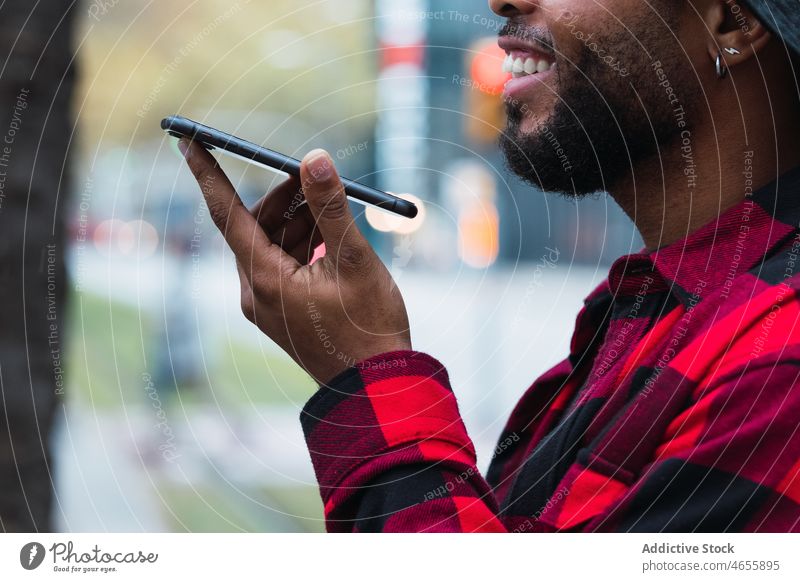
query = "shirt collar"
x=711 y=257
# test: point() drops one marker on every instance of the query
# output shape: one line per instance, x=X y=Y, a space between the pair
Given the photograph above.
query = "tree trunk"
x=36 y=126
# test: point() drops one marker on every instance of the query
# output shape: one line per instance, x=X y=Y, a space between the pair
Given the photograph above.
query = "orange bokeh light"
x=487 y=67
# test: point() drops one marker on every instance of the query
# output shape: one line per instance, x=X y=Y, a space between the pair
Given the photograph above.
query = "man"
x=678 y=406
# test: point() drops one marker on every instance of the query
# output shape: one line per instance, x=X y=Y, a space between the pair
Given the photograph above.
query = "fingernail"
x=183 y=146
x=320 y=165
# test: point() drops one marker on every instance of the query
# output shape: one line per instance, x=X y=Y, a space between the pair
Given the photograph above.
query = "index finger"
x=241 y=230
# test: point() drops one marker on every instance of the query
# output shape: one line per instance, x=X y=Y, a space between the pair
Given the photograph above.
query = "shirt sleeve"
x=391 y=452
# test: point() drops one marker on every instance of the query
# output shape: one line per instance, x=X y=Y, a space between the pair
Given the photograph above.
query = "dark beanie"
x=782 y=17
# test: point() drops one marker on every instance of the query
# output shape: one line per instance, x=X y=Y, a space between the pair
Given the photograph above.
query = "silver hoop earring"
x=722 y=70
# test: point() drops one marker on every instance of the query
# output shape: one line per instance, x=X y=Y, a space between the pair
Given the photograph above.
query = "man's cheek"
x=566 y=15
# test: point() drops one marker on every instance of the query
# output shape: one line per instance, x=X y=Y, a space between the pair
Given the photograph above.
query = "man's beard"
x=600 y=129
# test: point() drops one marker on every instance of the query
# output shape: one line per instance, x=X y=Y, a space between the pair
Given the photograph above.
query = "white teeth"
x=529 y=66
x=519 y=67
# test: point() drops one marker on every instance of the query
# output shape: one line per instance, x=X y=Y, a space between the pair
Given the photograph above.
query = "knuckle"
x=264 y=292
x=201 y=171
x=248 y=306
x=334 y=204
x=353 y=257
x=218 y=211
x=206 y=175
x=195 y=165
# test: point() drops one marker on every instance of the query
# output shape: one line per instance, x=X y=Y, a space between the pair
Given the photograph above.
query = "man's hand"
x=328 y=315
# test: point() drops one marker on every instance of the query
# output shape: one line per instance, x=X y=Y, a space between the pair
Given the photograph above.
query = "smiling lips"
x=529 y=63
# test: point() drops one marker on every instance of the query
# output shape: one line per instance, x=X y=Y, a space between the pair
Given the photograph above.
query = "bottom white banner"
x=417 y=557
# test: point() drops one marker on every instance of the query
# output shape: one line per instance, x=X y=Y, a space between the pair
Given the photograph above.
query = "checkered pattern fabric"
x=677 y=409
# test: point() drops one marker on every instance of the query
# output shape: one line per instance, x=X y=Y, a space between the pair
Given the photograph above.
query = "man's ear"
x=735 y=32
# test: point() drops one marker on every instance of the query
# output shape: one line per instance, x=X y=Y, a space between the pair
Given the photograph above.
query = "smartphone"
x=211 y=138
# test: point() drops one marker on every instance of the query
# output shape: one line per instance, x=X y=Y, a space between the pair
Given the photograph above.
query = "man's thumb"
x=327 y=201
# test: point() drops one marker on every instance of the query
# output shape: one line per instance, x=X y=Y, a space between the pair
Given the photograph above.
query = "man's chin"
x=532 y=125
x=536 y=157
x=525 y=121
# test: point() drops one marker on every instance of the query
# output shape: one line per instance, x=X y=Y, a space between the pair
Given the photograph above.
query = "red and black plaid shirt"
x=678 y=408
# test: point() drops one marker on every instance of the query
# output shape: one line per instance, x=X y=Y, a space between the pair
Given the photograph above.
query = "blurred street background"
x=177 y=414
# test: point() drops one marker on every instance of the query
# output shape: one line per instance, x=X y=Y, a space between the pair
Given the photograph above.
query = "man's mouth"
x=525 y=58
x=530 y=65
x=521 y=64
